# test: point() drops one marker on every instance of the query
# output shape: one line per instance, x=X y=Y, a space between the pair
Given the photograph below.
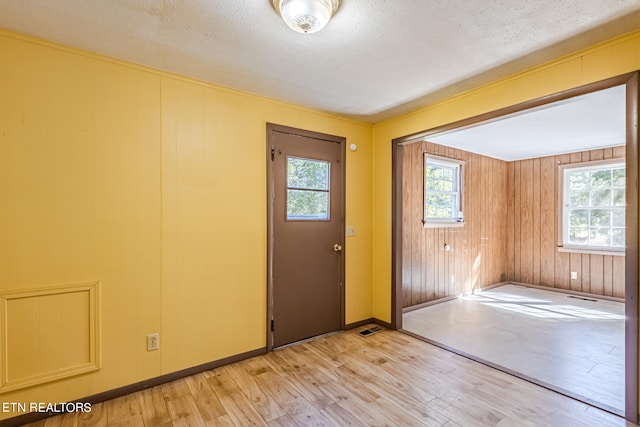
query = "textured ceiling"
x=376 y=59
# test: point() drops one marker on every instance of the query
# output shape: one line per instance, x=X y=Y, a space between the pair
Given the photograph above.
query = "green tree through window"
x=442 y=189
x=594 y=206
x=307 y=189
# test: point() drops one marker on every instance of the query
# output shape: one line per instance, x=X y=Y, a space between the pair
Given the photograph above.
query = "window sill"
x=590 y=251
x=443 y=224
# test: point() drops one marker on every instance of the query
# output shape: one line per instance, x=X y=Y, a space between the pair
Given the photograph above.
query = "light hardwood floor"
x=387 y=378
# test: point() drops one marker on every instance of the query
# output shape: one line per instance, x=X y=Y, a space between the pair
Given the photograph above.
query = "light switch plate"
x=351 y=231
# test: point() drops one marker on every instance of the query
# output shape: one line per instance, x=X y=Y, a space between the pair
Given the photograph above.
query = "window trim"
x=448 y=162
x=560 y=214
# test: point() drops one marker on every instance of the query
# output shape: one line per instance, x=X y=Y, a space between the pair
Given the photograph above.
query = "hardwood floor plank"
x=389 y=380
x=344 y=379
x=305 y=375
x=238 y=407
x=467 y=411
x=124 y=410
x=71 y=420
x=283 y=421
x=266 y=406
x=340 y=416
x=180 y=404
x=306 y=414
x=153 y=406
x=399 y=394
x=204 y=397
x=359 y=402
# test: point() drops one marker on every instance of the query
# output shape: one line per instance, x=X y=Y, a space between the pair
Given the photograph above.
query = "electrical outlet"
x=574 y=275
x=153 y=342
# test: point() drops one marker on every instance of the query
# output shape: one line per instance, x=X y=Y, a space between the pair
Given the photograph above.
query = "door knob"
x=337 y=247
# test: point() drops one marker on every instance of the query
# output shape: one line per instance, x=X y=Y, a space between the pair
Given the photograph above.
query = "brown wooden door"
x=306 y=240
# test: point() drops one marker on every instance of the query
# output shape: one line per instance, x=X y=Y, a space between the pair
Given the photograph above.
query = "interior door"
x=306 y=234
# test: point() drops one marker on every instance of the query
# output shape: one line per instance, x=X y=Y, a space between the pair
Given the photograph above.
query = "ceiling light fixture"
x=306 y=16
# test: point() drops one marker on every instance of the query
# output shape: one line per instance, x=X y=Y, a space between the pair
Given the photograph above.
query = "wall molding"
x=11 y=382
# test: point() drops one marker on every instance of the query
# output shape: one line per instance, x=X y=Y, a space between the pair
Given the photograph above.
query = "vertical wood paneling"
x=536 y=211
x=478 y=255
x=547 y=221
x=441 y=263
x=407 y=258
x=618 y=276
x=517 y=221
x=533 y=205
x=481 y=213
x=510 y=231
x=575 y=265
x=511 y=275
x=607 y=275
x=607 y=153
x=619 y=152
x=596 y=155
x=596 y=274
x=586 y=272
x=526 y=221
x=575 y=158
x=563 y=268
x=475 y=257
x=429 y=265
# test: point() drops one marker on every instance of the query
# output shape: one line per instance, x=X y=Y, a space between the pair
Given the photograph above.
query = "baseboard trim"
x=383 y=323
x=367 y=322
x=449 y=298
x=569 y=292
x=511 y=282
x=359 y=323
x=132 y=388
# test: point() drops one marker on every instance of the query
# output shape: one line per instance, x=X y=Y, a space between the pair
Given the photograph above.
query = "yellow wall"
x=155 y=186
x=616 y=57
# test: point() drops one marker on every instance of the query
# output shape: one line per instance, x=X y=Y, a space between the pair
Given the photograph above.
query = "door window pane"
x=308 y=195
x=308 y=174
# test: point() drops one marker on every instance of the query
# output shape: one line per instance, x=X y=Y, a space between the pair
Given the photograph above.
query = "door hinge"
x=271 y=325
x=273 y=153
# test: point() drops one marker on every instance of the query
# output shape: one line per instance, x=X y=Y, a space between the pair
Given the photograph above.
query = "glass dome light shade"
x=306 y=16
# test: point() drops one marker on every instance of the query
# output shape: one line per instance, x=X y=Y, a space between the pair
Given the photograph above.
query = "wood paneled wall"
x=478 y=255
x=510 y=230
x=533 y=230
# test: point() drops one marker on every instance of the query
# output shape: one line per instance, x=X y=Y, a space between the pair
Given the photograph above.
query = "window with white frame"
x=593 y=205
x=442 y=190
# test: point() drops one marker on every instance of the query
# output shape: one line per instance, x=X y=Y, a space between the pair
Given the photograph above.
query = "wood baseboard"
x=367 y=322
x=449 y=298
x=131 y=388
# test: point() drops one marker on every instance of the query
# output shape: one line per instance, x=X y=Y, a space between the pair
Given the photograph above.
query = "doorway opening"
x=484 y=245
